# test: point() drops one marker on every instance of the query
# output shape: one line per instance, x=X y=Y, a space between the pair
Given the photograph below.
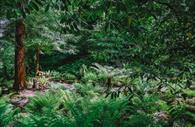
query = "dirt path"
x=21 y=99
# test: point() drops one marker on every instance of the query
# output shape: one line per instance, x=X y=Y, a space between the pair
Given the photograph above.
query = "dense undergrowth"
x=105 y=96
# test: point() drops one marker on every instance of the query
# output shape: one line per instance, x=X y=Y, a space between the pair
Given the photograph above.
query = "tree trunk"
x=19 y=56
x=37 y=60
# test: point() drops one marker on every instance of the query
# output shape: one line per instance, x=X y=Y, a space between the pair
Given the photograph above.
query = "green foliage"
x=73 y=68
x=43 y=81
x=85 y=108
x=143 y=52
x=7 y=112
x=17 y=8
x=61 y=77
x=190 y=93
x=6 y=56
x=140 y=120
x=67 y=109
x=41 y=103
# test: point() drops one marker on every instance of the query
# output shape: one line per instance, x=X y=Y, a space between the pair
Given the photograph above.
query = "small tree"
x=16 y=10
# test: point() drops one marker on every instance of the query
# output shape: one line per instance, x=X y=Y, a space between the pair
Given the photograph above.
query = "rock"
x=162 y=115
x=190 y=101
x=19 y=101
x=192 y=87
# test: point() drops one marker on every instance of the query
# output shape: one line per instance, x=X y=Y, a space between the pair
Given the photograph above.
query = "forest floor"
x=21 y=98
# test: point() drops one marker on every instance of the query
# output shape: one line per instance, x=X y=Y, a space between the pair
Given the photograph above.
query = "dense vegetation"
x=97 y=63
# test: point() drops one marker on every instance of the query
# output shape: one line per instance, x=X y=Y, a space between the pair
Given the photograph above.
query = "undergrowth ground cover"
x=108 y=97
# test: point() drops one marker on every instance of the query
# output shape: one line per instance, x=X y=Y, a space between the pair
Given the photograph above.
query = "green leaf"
x=39 y=2
x=47 y=7
x=35 y=6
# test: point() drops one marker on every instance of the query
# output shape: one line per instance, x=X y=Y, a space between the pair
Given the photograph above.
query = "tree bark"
x=37 y=61
x=19 y=56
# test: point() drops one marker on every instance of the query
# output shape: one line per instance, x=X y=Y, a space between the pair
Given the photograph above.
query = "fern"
x=7 y=112
x=42 y=102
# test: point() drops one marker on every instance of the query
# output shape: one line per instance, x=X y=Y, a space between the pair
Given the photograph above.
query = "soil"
x=22 y=98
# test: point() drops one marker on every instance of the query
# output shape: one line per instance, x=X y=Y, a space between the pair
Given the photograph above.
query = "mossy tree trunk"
x=19 y=56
